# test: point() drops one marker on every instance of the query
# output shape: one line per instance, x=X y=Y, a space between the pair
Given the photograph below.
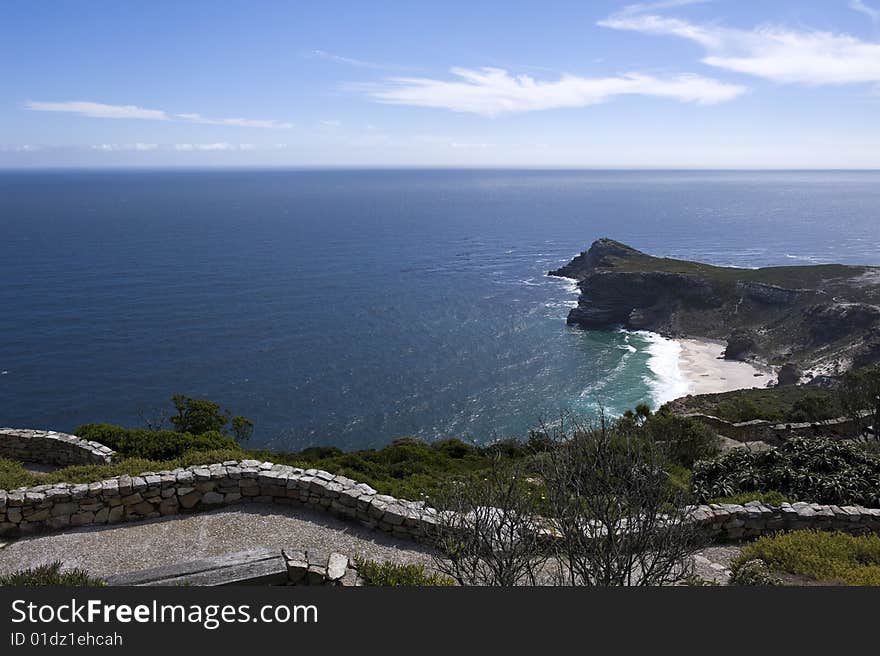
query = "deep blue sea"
x=352 y=307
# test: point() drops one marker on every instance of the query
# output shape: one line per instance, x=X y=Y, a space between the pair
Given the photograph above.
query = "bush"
x=779 y=404
x=454 y=448
x=771 y=498
x=392 y=574
x=46 y=575
x=821 y=556
x=13 y=475
x=684 y=441
x=154 y=445
x=812 y=407
x=753 y=572
x=816 y=470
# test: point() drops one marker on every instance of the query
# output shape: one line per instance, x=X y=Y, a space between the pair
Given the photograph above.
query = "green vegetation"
x=200 y=416
x=771 y=498
x=153 y=445
x=792 y=277
x=783 y=404
x=50 y=575
x=830 y=558
x=393 y=574
x=807 y=469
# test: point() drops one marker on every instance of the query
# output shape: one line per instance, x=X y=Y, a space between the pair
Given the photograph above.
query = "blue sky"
x=675 y=83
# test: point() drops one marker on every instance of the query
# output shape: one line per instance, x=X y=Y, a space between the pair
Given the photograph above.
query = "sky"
x=589 y=84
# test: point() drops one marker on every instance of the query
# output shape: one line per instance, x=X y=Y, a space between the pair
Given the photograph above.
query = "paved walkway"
x=105 y=551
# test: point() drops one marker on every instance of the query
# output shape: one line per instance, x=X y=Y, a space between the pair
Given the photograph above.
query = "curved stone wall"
x=155 y=494
x=51 y=448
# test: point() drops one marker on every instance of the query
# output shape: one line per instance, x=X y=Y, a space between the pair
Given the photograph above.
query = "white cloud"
x=493 y=91
x=775 y=53
x=238 y=122
x=101 y=110
x=331 y=123
x=98 y=110
x=861 y=7
x=351 y=61
x=113 y=148
x=207 y=147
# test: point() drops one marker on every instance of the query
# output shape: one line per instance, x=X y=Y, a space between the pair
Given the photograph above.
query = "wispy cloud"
x=772 y=52
x=861 y=7
x=202 y=147
x=351 y=61
x=98 y=110
x=115 y=148
x=178 y=147
x=236 y=122
x=102 y=110
x=493 y=91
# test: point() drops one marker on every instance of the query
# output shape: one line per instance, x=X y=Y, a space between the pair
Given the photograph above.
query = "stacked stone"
x=51 y=448
x=319 y=568
x=154 y=494
x=732 y=521
x=775 y=433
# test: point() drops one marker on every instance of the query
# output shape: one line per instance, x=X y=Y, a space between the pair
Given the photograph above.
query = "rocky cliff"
x=822 y=317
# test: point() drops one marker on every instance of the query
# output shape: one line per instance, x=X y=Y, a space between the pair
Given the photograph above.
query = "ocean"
x=348 y=308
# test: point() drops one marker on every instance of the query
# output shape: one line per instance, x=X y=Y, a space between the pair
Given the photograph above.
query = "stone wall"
x=775 y=433
x=51 y=448
x=155 y=494
x=732 y=521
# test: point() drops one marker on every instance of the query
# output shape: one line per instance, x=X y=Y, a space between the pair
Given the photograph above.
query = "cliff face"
x=820 y=316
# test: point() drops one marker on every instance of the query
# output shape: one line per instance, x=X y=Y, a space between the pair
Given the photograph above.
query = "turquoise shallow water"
x=348 y=308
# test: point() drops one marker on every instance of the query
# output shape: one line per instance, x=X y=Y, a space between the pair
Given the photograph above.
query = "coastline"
x=707 y=372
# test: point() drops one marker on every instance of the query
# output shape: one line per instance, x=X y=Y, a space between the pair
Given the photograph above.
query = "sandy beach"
x=701 y=362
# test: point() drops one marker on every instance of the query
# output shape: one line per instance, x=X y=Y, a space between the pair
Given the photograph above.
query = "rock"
x=212 y=498
x=601 y=253
x=789 y=374
x=336 y=566
x=740 y=343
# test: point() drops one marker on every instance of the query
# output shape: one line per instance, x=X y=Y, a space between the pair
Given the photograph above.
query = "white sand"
x=702 y=363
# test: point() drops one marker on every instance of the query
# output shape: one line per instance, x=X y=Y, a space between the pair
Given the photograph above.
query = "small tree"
x=682 y=440
x=486 y=529
x=618 y=519
x=242 y=428
x=859 y=394
x=198 y=415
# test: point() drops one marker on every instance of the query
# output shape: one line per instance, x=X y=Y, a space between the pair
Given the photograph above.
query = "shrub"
x=393 y=574
x=683 y=440
x=454 y=448
x=811 y=407
x=51 y=574
x=13 y=475
x=821 y=556
x=817 y=470
x=779 y=404
x=198 y=415
x=772 y=498
x=753 y=572
x=154 y=445
x=191 y=458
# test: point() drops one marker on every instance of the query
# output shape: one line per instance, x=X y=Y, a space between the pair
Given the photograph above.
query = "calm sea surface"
x=350 y=308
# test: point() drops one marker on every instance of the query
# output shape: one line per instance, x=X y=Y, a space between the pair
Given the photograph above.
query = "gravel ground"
x=713 y=563
x=106 y=551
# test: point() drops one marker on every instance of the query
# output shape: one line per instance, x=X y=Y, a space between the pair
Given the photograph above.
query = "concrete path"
x=109 y=550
